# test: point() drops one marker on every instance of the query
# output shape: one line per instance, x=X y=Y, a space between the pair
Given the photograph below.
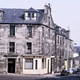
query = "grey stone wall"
x=21 y=40
x=61 y=51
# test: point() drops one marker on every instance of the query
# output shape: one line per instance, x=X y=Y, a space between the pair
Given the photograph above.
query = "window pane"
x=36 y=64
x=42 y=31
x=11 y=47
x=32 y=15
x=29 y=63
x=29 y=15
x=49 y=32
x=42 y=48
x=29 y=47
x=29 y=31
x=12 y=30
x=42 y=63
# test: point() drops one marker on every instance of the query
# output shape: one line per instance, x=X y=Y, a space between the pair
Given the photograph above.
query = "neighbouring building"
x=64 y=49
x=76 y=56
x=27 y=41
x=76 y=62
x=76 y=49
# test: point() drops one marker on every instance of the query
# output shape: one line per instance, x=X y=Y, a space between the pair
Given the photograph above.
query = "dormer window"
x=30 y=16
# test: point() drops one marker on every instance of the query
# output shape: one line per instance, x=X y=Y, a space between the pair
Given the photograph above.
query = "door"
x=48 y=66
x=11 y=65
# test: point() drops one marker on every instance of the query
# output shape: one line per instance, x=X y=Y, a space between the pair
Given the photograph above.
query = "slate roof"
x=17 y=16
x=77 y=58
x=58 y=32
x=76 y=49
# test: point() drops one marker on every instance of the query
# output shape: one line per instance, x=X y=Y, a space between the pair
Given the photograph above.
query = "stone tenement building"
x=64 y=48
x=30 y=42
x=27 y=40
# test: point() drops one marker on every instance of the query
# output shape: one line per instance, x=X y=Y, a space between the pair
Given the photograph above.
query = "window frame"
x=43 y=63
x=36 y=64
x=29 y=48
x=58 y=39
x=49 y=33
x=11 y=47
x=30 y=16
x=49 y=21
x=12 y=30
x=28 y=62
x=42 y=31
x=42 y=48
x=29 y=31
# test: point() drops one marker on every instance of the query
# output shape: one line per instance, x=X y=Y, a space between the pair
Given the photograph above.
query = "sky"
x=64 y=12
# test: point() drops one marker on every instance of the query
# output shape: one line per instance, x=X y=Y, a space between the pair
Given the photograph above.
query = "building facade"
x=76 y=62
x=64 y=49
x=27 y=40
x=76 y=49
x=76 y=56
x=30 y=42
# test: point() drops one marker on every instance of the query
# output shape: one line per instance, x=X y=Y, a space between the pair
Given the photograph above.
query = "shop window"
x=43 y=63
x=36 y=64
x=28 y=63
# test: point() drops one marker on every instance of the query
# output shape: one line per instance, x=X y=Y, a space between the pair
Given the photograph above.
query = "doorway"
x=11 y=65
x=48 y=66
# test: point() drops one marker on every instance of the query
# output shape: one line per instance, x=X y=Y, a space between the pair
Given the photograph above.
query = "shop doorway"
x=11 y=65
x=48 y=66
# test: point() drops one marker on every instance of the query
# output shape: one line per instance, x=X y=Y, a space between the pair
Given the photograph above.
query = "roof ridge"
x=11 y=8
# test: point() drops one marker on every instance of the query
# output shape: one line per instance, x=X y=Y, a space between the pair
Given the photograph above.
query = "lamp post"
x=67 y=52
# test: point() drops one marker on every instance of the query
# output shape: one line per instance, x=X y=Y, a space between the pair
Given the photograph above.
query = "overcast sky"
x=65 y=12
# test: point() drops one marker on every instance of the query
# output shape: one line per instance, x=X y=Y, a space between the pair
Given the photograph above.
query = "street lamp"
x=67 y=52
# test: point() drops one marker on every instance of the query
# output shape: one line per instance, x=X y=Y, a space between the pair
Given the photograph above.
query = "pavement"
x=52 y=75
x=33 y=75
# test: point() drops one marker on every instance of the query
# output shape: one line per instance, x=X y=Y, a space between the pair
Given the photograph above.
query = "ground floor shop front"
x=26 y=65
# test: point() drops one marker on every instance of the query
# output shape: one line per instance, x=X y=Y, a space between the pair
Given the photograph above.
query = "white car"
x=70 y=71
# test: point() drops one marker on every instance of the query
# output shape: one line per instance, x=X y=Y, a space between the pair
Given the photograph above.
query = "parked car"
x=70 y=71
x=74 y=71
x=78 y=69
x=64 y=72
